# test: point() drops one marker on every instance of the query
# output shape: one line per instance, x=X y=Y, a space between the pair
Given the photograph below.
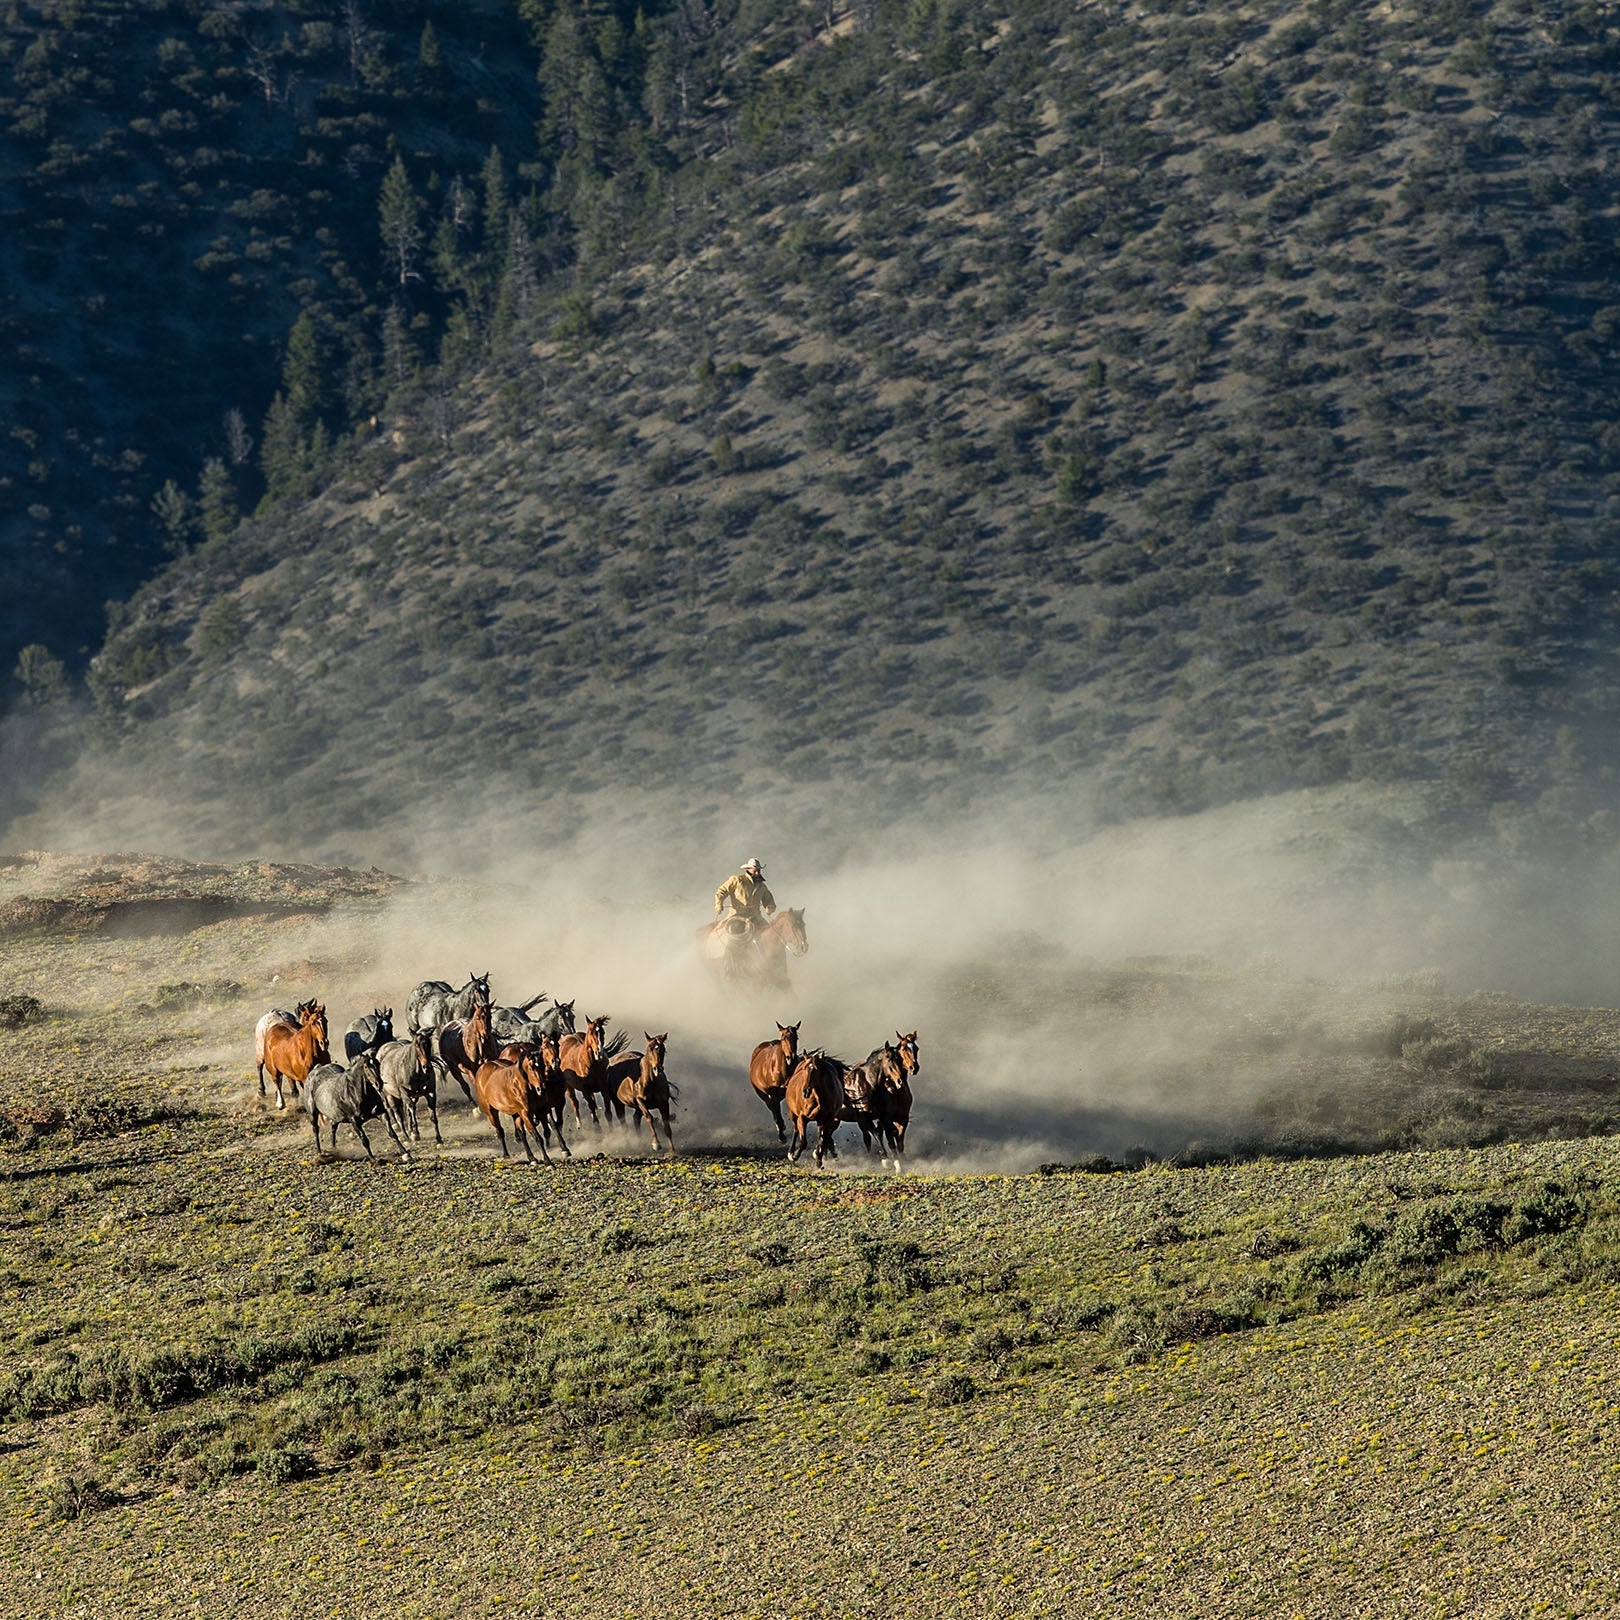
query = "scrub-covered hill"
x=965 y=403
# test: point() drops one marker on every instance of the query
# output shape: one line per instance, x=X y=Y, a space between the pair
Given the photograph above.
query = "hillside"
x=178 y=181
x=967 y=405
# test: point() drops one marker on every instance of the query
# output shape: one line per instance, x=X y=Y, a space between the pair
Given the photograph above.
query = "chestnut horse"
x=814 y=1094
x=289 y=1054
x=636 y=1080
x=462 y=1048
x=758 y=959
x=583 y=1060
x=769 y=1068
x=514 y=1087
x=306 y=1012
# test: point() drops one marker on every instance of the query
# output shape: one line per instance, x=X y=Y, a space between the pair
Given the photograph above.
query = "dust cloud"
x=1076 y=990
x=1141 y=989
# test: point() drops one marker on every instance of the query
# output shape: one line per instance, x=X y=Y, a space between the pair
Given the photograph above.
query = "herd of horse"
x=532 y=1066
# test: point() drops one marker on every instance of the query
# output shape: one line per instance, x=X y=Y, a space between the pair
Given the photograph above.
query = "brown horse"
x=463 y=1048
x=866 y=1088
x=636 y=1080
x=757 y=958
x=769 y=1068
x=305 y=1012
x=289 y=1054
x=514 y=1088
x=583 y=1061
x=814 y=1094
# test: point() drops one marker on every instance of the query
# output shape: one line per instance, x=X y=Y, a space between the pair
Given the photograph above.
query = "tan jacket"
x=748 y=896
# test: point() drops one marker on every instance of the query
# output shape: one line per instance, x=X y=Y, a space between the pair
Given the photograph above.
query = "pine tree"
x=303 y=375
x=176 y=515
x=400 y=359
x=282 y=451
x=399 y=215
x=497 y=208
x=216 y=500
x=429 y=53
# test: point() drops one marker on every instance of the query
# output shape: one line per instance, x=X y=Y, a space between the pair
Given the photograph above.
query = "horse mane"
x=615 y=1043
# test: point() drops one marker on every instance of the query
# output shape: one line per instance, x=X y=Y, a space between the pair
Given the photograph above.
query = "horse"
x=757 y=958
x=583 y=1061
x=866 y=1089
x=513 y=1023
x=349 y=1096
x=814 y=1093
x=289 y=1054
x=768 y=1071
x=510 y=1022
x=553 y=1089
x=433 y=1003
x=276 y=1015
x=369 y=1033
x=306 y=1012
x=636 y=1080
x=408 y=1075
x=462 y=1047
x=514 y=1088
x=910 y=1059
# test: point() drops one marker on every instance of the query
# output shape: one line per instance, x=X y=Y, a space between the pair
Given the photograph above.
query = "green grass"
x=1380 y=1382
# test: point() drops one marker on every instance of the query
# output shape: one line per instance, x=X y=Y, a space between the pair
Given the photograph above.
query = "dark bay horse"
x=768 y=1070
x=866 y=1090
x=910 y=1059
x=814 y=1095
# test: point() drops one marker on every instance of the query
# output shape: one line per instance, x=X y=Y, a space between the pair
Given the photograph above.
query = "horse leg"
x=262 y=1091
x=495 y=1120
x=315 y=1125
x=775 y=1106
x=360 y=1131
x=537 y=1129
x=796 y=1146
x=275 y=1075
x=646 y=1114
x=669 y=1131
x=393 y=1135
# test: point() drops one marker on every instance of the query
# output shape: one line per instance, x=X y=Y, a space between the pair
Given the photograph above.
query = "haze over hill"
x=925 y=412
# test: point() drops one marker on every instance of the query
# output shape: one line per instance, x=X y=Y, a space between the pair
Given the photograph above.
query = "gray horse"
x=434 y=1003
x=349 y=1097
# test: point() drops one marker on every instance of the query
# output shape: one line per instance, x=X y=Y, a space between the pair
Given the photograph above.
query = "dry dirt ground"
x=1252 y=1382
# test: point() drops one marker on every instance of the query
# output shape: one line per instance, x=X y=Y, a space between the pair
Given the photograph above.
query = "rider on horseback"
x=750 y=901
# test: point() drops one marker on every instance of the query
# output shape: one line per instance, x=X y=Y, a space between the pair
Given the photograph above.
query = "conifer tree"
x=399 y=217
x=216 y=500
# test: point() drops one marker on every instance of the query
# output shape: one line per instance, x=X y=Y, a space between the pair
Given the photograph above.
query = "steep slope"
x=1189 y=406
x=178 y=180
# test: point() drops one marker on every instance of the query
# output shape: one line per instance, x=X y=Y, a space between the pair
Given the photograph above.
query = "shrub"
x=278 y=1465
x=73 y=1496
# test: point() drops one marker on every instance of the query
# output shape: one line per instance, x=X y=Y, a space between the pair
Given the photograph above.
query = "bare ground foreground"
x=1234 y=1294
